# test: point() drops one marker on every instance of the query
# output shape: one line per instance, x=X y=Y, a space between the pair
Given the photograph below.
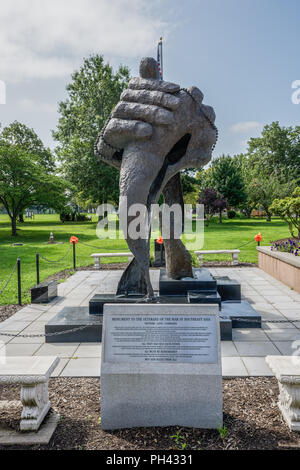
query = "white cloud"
x=46 y=38
x=33 y=106
x=246 y=126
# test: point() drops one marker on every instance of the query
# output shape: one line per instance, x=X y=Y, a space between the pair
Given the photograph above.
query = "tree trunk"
x=14 y=225
x=21 y=217
x=220 y=217
x=268 y=216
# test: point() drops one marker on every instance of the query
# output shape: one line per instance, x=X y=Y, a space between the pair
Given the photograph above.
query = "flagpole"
x=161 y=53
x=160 y=59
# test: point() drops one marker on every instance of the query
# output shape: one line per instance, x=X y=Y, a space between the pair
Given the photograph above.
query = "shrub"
x=288 y=209
x=231 y=214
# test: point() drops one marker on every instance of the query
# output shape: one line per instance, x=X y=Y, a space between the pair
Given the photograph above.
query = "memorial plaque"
x=161 y=366
x=174 y=338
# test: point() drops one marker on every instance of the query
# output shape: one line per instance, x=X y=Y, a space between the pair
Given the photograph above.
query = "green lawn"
x=34 y=233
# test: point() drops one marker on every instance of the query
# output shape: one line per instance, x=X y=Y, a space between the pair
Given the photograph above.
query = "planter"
x=283 y=266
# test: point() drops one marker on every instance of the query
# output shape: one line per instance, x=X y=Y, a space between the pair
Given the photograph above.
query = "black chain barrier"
x=56 y=261
x=9 y=278
x=78 y=328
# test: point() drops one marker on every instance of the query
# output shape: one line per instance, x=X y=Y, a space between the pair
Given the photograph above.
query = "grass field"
x=35 y=233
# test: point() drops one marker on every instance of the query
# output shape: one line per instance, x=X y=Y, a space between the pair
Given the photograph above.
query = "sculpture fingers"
x=121 y=131
x=149 y=113
x=138 y=83
x=157 y=98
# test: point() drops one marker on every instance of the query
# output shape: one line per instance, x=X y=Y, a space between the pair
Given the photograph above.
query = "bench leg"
x=289 y=404
x=235 y=259
x=97 y=262
x=200 y=259
x=36 y=404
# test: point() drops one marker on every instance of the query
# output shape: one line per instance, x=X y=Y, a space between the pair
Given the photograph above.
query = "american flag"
x=160 y=59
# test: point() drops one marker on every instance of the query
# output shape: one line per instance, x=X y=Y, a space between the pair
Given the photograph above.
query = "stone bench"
x=234 y=253
x=97 y=257
x=287 y=372
x=32 y=373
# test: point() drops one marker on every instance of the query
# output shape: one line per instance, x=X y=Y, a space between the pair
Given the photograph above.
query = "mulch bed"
x=251 y=417
x=7 y=311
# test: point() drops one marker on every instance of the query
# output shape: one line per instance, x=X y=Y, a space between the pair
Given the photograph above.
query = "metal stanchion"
x=19 y=281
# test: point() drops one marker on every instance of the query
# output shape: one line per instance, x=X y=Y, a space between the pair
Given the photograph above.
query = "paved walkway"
x=244 y=356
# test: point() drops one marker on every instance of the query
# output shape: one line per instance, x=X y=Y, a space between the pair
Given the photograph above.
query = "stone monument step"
x=202 y=281
x=74 y=317
x=204 y=297
x=229 y=289
x=242 y=314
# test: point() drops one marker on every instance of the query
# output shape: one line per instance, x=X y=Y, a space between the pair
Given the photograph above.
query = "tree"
x=92 y=93
x=289 y=210
x=276 y=153
x=213 y=202
x=20 y=135
x=190 y=186
x=225 y=176
x=23 y=182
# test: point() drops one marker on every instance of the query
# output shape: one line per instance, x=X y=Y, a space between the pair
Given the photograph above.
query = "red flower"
x=160 y=240
x=258 y=237
x=74 y=239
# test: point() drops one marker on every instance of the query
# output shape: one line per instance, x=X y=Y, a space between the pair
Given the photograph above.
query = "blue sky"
x=242 y=54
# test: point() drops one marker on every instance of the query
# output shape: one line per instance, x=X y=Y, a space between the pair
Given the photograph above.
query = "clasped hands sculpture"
x=156 y=130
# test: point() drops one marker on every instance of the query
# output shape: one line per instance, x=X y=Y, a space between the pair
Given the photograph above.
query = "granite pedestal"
x=161 y=366
x=44 y=292
x=74 y=317
x=202 y=280
x=229 y=289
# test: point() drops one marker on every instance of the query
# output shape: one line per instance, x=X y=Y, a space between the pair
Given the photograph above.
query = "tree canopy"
x=27 y=173
x=93 y=92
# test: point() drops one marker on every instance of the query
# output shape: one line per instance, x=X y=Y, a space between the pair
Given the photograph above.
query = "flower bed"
x=291 y=245
x=281 y=264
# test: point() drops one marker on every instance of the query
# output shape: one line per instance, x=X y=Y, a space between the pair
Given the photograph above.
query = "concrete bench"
x=32 y=373
x=97 y=257
x=287 y=372
x=234 y=253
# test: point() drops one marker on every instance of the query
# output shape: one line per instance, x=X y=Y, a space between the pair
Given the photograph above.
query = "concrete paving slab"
x=233 y=367
x=66 y=350
x=283 y=335
x=82 y=367
x=89 y=350
x=257 y=367
x=256 y=348
x=243 y=334
x=13 y=349
x=10 y=437
x=228 y=349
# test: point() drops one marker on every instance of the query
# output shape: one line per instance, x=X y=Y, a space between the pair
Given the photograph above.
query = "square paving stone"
x=82 y=367
x=256 y=348
x=57 y=349
x=257 y=367
x=233 y=367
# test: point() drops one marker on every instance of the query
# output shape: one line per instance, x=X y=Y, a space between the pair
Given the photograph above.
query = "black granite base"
x=202 y=280
x=72 y=317
x=99 y=300
x=204 y=297
x=229 y=289
x=44 y=292
x=241 y=314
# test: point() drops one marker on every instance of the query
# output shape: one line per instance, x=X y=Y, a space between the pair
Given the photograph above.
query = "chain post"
x=19 y=281
x=37 y=260
x=74 y=255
